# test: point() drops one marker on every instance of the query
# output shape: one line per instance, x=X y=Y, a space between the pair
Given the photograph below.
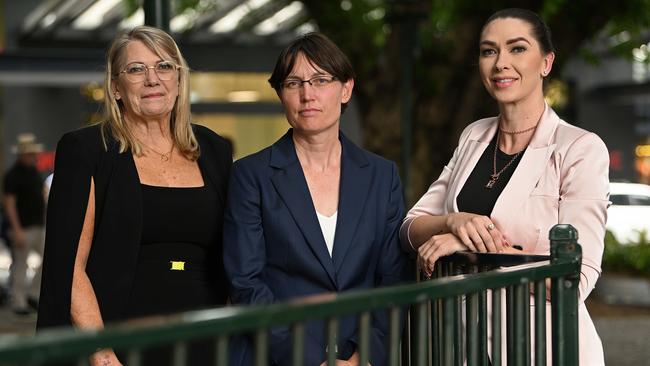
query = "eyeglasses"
x=136 y=72
x=321 y=81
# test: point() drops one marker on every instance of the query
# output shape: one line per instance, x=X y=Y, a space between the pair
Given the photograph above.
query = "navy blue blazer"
x=274 y=248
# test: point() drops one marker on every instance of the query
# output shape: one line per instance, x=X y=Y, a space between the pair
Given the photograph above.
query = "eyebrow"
x=510 y=41
x=316 y=74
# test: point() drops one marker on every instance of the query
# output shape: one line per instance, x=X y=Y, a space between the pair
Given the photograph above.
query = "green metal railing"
x=436 y=335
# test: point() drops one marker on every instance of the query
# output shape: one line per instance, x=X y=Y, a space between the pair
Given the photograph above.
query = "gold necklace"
x=495 y=175
x=517 y=132
x=165 y=157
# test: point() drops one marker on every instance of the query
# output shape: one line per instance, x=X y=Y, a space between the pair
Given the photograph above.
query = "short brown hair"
x=320 y=51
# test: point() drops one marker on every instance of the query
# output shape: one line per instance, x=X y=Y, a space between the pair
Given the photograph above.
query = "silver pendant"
x=490 y=183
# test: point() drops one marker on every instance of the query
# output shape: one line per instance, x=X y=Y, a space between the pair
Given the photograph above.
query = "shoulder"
x=572 y=138
x=478 y=128
x=211 y=141
x=364 y=157
x=256 y=160
x=205 y=135
x=87 y=141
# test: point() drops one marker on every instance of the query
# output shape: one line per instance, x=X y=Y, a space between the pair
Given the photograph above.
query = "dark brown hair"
x=540 y=30
x=320 y=51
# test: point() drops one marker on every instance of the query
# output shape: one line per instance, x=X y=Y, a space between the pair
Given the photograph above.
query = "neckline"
x=328 y=217
x=144 y=185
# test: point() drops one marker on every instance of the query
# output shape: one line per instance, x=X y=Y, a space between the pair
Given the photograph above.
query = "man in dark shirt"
x=25 y=211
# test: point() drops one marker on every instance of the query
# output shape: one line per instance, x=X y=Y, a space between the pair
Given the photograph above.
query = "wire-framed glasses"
x=320 y=81
x=136 y=72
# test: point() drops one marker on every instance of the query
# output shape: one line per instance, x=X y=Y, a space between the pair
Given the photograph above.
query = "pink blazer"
x=562 y=178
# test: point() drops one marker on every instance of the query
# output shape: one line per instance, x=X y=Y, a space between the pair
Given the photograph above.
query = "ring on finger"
x=490 y=226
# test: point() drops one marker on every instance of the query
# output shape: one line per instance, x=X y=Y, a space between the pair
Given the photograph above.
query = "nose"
x=502 y=61
x=151 y=77
x=307 y=91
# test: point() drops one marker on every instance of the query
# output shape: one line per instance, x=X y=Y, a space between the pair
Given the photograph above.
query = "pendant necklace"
x=164 y=157
x=495 y=175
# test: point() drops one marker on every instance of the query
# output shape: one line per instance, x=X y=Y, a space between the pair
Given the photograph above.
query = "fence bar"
x=394 y=336
x=510 y=325
x=458 y=331
x=134 y=357
x=525 y=289
x=180 y=353
x=540 y=323
x=298 y=339
x=436 y=332
x=261 y=347
x=332 y=346
x=521 y=291
x=564 y=296
x=364 y=338
x=471 y=326
x=421 y=349
x=496 y=327
x=482 y=329
x=448 y=332
x=83 y=361
x=407 y=339
x=221 y=350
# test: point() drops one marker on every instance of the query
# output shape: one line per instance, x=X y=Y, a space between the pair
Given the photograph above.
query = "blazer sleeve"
x=244 y=248
x=244 y=243
x=584 y=198
x=65 y=215
x=433 y=201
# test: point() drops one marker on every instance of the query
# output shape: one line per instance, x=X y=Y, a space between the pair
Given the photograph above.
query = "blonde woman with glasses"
x=136 y=205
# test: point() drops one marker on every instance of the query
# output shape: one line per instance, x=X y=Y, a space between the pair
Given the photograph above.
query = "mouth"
x=308 y=111
x=504 y=82
x=153 y=95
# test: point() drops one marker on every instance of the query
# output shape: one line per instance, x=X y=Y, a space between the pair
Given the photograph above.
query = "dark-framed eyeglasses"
x=136 y=72
x=321 y=81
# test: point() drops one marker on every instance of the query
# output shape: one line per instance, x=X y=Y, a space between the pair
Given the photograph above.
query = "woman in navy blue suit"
x=313 y=213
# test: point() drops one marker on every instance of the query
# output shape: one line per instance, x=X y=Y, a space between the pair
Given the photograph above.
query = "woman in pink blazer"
x=514 y=176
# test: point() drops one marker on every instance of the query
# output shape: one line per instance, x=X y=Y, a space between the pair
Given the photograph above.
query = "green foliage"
x=632 y=258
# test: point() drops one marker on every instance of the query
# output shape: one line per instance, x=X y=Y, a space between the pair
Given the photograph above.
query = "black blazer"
x=81 y=155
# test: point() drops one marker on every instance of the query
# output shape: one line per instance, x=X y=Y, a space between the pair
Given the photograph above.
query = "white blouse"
x=328 y=227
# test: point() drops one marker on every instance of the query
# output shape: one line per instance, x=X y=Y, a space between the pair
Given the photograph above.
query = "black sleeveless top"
x=475 y=197
x=174 y=271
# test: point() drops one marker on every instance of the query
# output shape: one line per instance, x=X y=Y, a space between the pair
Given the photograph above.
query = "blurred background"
x=417 y=87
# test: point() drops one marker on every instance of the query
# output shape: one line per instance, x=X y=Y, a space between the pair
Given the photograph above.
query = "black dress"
x=172 y=273
x=177 y=234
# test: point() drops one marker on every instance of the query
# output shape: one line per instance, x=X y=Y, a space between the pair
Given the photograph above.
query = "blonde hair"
x=114 y=124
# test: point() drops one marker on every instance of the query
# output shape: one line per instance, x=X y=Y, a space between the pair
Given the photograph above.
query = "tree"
x=447 y=92
x=417 y=59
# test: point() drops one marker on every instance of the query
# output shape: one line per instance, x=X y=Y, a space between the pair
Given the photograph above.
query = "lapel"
x=476 y=145
x=290 y=183
x=530 y=168
x=353 y=192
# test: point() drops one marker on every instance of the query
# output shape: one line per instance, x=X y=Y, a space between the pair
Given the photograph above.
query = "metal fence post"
x=564 y=295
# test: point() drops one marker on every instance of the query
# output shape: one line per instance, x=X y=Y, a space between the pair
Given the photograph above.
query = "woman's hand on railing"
x=478 y=233
x=436 y=247
x=104 y=357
